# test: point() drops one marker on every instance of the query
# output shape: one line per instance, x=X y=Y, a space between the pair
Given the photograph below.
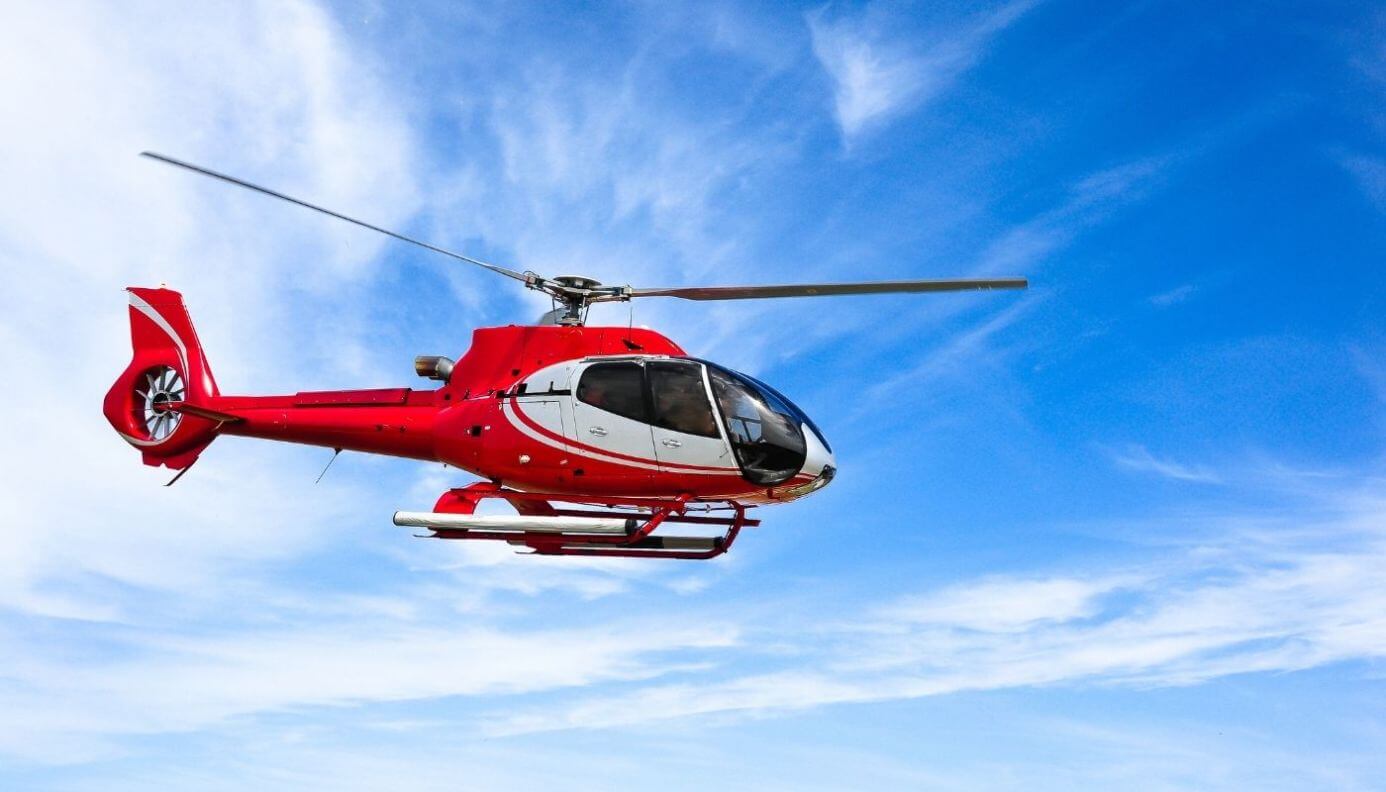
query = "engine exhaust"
x=435 y=367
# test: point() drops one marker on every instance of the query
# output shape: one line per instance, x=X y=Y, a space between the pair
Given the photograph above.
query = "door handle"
x=597 y=430
x=671 y=442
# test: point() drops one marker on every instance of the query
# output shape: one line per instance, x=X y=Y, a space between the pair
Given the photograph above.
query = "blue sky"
x=1124 y=529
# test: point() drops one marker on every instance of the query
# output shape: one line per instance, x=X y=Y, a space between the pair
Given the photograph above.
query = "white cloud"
x=1174 y=296
x=596 y=170
x=179 y=683
x=1003 y=605
x=1244 y=602
x=277 y=94
x=1023 y=249
x=965 y=353
x=1139 y=458
x=878 y=74
x=871 y=82
x=253 y=89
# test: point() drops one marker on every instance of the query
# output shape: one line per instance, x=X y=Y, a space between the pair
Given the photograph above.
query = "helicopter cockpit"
x=765 y=430
x=696 y=405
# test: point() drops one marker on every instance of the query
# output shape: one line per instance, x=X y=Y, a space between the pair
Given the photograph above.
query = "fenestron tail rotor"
x=159 y=388
x=576 y=293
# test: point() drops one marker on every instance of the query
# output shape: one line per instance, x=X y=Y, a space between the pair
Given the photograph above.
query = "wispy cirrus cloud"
x=1256 y=594
x=966 y=352
x=1023 y=249
x=1263 y=596
x=878 y=74
x=1004 y=604
x=1140 y=459
x=322 y=122
x=181 y=683
x=1174 y=296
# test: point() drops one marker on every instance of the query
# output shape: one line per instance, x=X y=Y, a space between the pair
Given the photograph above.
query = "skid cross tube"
x=663 y=547
x=645 y=515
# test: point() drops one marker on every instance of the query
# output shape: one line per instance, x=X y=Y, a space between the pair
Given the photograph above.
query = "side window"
x=680 y=400
x=615 y=387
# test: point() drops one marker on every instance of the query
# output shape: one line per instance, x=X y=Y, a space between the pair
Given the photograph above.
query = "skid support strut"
x=604 y=526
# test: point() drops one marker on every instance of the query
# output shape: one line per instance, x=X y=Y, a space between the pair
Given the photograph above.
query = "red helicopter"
x=596 y=436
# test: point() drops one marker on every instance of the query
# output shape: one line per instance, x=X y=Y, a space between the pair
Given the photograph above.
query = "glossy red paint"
x=479 y=421
x=556 y=412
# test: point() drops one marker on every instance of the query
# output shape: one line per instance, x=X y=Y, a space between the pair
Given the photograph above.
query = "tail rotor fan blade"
x=164 y=386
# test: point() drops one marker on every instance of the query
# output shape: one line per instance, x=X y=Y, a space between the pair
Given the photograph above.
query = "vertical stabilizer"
x=167 y=371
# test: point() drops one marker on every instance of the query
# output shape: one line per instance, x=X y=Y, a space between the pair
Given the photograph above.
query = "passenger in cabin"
x=594 y=393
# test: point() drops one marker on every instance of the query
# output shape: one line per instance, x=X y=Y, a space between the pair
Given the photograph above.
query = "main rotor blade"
x=239 y=183
x=829 y=289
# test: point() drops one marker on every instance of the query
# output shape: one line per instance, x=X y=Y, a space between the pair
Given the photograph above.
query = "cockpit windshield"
x=793 y=410
x=763 y=427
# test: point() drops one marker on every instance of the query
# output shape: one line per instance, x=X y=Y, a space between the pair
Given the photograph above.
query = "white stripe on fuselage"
x=651 y=464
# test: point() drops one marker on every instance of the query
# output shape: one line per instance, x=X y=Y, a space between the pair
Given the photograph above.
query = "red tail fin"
x=168 y=368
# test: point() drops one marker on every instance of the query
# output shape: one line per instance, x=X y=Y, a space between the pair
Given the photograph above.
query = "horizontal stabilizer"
x=211 y=415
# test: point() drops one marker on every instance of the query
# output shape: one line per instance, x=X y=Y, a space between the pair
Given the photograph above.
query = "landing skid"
x=607 y=526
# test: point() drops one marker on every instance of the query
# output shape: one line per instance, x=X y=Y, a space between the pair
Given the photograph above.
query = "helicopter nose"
x=819 y=462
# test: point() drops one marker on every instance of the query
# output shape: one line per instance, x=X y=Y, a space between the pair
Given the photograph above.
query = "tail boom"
x=166 y=403
x=392 y=421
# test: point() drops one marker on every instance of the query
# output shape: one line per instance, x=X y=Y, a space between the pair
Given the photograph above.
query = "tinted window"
x=765 y=437
x=775 y=397
x=615 y=387
x=791 y=408
x=680 y=400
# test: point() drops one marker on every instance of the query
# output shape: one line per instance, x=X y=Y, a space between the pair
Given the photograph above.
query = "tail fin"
x=168 y=368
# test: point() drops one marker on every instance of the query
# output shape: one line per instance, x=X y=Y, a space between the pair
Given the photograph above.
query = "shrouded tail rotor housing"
x=167 y=373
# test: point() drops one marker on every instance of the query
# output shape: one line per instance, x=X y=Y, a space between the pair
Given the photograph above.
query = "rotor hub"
x=577 y=282
x=575 y=293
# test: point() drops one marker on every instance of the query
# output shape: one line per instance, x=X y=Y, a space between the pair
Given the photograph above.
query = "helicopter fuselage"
x=570 y=410
x=579 y=410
